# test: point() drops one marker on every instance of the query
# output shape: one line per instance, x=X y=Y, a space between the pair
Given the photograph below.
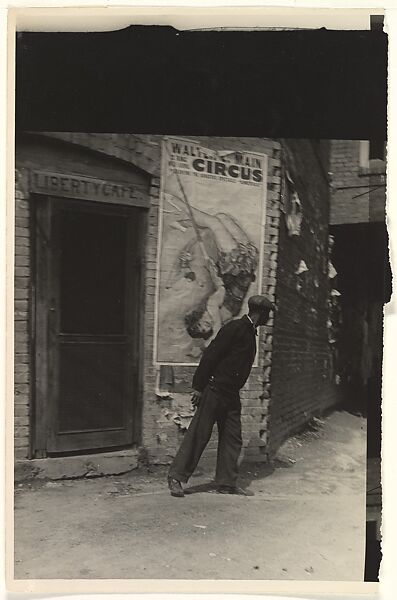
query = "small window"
x=372 y=150
x=377 y=148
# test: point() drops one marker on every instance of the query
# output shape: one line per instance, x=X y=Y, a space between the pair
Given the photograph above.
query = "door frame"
x=43 y=407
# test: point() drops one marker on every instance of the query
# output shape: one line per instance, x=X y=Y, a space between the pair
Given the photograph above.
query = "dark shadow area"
x=360 y=256
x=209 y=487
x=249 y=472
x=373 y=554
x=204 y=82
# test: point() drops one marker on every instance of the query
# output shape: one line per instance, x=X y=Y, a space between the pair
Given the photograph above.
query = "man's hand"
x=196 y=397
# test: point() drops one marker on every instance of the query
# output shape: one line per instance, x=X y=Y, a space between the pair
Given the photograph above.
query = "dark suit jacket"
x=227 y=361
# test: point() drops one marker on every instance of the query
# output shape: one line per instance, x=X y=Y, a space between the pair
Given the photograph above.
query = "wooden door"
x=92 y=301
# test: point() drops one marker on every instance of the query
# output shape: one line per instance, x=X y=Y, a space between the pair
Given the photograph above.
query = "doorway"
x=88 y=296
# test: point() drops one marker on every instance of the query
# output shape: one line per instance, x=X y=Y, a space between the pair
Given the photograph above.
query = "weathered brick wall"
x=299 y=357
x=140 y=150
x=358 y=191
x=23 y=359
x=160 y=436
x=300 y=377
x=22 y=372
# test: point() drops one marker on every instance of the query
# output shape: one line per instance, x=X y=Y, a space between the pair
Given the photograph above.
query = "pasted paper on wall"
x=211 y=233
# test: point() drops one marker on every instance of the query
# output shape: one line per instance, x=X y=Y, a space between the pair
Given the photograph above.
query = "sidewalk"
x=304 y=521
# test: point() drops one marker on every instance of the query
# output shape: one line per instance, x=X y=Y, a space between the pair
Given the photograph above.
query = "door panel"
x=91 y=385
x=93 y=326
x=92 y=256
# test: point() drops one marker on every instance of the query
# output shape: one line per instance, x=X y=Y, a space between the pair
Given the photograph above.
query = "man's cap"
x=260 y=303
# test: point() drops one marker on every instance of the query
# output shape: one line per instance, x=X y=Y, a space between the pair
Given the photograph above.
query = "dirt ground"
x=304 y=519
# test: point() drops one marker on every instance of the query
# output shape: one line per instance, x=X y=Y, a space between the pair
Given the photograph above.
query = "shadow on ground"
x=249 y=472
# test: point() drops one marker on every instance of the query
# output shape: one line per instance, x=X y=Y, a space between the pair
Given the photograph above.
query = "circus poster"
x=210 y=248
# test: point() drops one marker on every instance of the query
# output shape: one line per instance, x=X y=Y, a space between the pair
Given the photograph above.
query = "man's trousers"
x=226 y=412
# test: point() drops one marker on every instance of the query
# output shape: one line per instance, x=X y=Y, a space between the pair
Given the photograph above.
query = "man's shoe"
x=228 y=489
x=175 y=488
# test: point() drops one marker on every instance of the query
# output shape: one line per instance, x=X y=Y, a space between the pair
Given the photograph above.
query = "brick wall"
x=140 y=150
x=161 y=437
x=351 y=200
x=296 y=362
x=26 y=159
x=300 y=377
x=22 y=372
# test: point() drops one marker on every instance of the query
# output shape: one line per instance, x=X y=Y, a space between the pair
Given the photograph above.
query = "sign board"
x=210 y=252
x=87 y=188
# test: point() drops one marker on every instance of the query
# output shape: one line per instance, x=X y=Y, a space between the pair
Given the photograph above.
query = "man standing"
x=223 y=370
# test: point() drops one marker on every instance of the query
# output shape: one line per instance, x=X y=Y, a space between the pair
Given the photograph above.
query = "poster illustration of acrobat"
x=210 y=252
